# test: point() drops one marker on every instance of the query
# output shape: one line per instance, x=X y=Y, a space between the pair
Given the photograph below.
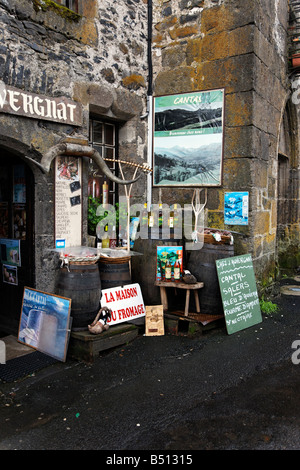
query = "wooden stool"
x=180 y=285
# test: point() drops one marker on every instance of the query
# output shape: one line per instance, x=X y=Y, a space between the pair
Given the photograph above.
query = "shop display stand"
x=186 y=322
x=86 y=347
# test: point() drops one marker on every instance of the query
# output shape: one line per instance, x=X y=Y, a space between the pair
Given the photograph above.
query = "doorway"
x=16 y=237
x=288 y=256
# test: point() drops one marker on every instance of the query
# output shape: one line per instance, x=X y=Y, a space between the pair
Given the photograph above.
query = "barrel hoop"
x=108 y=276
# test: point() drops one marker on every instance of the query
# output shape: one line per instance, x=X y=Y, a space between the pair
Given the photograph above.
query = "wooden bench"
x=180 y=285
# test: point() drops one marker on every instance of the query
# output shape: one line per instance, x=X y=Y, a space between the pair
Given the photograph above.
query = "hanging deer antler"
x=197 y=210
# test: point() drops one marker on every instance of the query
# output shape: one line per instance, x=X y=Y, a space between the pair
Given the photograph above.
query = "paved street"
x=168 y=393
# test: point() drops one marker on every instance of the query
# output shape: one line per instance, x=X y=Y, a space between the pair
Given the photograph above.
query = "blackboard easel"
x=239 y=293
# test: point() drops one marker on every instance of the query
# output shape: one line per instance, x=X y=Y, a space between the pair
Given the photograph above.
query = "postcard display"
x=10 y=254
x=10 y=257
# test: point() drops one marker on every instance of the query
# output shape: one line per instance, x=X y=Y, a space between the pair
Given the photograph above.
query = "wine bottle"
x=98 y=243
x=113 y=239
x=177 y=271
x=171 y=218
x=105 y=194
x=168 y=271
x=151 y=218
x=105 y=239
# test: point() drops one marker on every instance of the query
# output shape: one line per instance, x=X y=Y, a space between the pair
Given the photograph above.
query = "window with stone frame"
x=71 y=4
x=103 y=137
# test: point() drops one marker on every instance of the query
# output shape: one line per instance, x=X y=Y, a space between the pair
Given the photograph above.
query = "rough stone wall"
x=98 y=58
x=45 y=52
x=239 y=46
x=288 y=217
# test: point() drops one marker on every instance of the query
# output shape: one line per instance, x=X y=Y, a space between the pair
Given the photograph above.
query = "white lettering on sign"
x=14 y=101
x=126 y=303
x=68 y=200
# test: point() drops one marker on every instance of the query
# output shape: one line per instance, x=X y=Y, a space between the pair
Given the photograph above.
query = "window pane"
x=102 y=138
x=109 y=134
x=109 y=153
x=71 y=4
x=97 y=132
x=98 y=148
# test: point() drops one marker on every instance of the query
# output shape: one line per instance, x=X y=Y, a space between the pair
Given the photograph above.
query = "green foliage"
x=94 y=219
x=45 y=5
x=268 y=307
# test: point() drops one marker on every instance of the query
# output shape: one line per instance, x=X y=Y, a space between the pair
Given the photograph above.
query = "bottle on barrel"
x=105 y=239
x=113 y=239
x=98 y=243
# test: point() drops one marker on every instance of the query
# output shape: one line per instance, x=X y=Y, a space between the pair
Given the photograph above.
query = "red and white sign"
x=126 y=303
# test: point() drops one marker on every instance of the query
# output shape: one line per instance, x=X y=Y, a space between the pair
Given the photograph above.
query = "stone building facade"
x=108 y=58
x=242 y=47
x=96 y=57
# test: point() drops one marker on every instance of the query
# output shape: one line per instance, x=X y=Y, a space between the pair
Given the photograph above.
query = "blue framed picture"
x=236 y=208
x=45 y=323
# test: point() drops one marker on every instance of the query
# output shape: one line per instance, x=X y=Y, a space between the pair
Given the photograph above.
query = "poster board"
x=154 y=325
x=68 y=200
x=45 y=323
x=126 y=303
x=236 y=206
x=170 y=253
x=239 y=292
x=188 y=139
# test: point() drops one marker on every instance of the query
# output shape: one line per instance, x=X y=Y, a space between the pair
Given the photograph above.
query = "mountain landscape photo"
x=191 y=166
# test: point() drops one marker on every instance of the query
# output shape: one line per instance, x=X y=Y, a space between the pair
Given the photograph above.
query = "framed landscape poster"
x=188 y=139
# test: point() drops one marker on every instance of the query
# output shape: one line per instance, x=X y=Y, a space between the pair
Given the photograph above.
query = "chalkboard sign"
x=239 y=292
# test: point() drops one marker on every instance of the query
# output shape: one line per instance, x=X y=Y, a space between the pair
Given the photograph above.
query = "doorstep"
x=15 y=349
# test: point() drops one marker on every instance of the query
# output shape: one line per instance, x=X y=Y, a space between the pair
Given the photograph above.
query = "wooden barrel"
x=202 y=264
x=114 y=272
x=82 y=284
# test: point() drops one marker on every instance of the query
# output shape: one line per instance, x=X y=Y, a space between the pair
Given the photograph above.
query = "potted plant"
x=94 y=219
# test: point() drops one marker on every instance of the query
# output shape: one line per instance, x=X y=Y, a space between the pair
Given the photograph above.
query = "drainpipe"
x=149 y=106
